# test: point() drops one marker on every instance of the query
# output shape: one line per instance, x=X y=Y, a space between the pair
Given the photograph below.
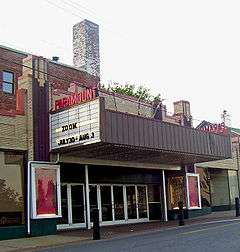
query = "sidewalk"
x=107 y=232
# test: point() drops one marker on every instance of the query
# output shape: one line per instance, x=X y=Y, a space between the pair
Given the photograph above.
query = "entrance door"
x=64 y=202
x=119 y=203
x=106 y=203
x=118 y=196
x=78 y=208
x=131 y=202
x=142 y=202
x=73 y=206
x=93 y=197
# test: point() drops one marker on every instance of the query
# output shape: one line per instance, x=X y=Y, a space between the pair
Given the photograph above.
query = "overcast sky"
x=183 y=49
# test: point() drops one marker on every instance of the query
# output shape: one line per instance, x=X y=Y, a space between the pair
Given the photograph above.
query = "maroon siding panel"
x=114 y=125
x=125 y=129
x=146 y=133
x=141 y=132
x=184 y=136
x=119 y=129
x=176 y=139
x=173 y=137
x=163 y=132
x=130 y=131
x=191 y=135
x=156 y=136
x=137 y=131
x=197 y=142
x=108 y=127
x=150 y=130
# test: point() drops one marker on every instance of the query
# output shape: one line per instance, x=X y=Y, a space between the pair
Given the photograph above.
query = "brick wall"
x=65 y=75
x=13 y=132
x=8 y=101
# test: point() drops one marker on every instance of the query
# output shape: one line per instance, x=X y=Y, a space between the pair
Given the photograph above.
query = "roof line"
x=14 y=50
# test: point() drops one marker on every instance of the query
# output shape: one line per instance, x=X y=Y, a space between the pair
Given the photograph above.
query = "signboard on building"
x=219 y=128
x=76 y=98
x=45 y=190
x=78 y=125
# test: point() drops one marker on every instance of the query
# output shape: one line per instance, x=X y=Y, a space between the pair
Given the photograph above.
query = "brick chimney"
x=86 y=47
x=183 y=113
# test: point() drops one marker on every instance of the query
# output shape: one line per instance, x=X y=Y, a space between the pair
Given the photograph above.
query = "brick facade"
x=8 y=101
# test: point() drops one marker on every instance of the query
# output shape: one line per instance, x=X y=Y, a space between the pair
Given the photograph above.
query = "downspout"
x=237 y=157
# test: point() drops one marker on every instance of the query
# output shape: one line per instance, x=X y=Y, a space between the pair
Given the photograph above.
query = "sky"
x=184 y=50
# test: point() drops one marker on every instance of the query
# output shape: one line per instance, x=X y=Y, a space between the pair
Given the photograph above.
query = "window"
x=11 y=189
x=176 y=192
x=8 y=82
x=204 y=186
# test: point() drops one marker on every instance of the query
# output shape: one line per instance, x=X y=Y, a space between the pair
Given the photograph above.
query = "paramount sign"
x=77 y=98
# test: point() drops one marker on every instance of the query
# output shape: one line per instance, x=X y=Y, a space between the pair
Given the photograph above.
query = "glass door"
x=78 y=208
x=93 y=197
x=131 y=202
x=106 y=203
x=64 y=202
x=73 y=206
x=118 y=203
x=142 y=202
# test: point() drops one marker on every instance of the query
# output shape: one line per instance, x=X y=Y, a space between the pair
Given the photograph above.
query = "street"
x=218 y=236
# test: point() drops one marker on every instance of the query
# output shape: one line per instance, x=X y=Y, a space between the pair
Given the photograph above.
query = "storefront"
x=122 y=195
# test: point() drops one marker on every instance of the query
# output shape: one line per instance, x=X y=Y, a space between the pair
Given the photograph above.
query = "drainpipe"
x=87 y=197
x=164 y=196
x=237 y=157
x=229 y=193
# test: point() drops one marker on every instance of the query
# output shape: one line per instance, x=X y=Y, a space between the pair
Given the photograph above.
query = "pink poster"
x=46 y=191
x=193 y=191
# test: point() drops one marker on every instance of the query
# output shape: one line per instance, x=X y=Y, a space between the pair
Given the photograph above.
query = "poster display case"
x=45 y=191
x=193 y=191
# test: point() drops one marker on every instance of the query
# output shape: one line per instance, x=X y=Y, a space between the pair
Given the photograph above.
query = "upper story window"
x=8 y=82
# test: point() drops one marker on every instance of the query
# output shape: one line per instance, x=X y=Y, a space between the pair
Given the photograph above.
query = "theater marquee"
x=78 y=125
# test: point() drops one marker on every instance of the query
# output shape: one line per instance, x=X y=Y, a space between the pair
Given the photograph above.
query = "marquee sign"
x=78 y=125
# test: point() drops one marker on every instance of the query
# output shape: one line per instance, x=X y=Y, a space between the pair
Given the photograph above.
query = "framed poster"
x=45 y=188
x=193 y=191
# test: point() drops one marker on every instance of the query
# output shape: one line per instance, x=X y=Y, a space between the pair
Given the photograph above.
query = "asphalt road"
x=224 y=236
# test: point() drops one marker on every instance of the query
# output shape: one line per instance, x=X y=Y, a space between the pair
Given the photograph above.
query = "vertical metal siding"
x=132 y=130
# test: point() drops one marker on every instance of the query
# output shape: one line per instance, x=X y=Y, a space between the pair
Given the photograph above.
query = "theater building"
x=67 y=146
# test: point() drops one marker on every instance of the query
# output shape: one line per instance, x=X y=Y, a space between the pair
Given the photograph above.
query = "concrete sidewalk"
x=31 y=244
x=78 y=236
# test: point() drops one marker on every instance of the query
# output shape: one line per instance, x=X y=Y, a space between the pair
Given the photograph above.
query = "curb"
x=123 y=235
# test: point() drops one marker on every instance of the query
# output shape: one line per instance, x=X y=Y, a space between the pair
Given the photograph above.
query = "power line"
x=76 y=15
x=84 y=7
x=70 y=80
x=40 y=71
x=59 y=7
